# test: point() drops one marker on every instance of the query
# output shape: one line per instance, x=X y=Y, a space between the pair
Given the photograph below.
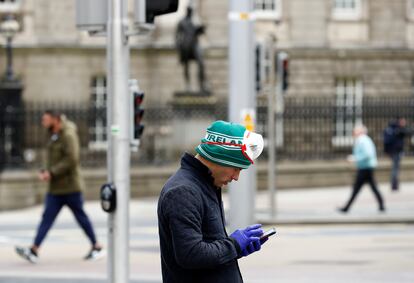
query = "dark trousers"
x=396 y=159
x=53 y=205
x=365 y=176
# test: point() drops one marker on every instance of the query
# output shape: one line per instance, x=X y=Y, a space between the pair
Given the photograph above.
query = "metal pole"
x=109 y=153
x=271 y=131
x=280 y=102
x=242 y=98
x=119 y=134
x=9 y=52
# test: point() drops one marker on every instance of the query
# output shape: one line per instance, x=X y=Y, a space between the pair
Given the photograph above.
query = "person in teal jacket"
x=365 y=158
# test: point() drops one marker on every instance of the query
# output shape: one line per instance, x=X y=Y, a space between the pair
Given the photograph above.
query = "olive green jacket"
x=63 y=160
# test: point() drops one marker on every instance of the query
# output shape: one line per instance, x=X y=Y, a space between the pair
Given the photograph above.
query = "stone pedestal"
x=190 y=100
x=192 y=115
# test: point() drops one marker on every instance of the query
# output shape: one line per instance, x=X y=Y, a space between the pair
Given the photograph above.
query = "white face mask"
x=254 y=144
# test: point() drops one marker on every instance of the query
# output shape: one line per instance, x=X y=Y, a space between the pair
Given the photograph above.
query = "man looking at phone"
x=195 y=246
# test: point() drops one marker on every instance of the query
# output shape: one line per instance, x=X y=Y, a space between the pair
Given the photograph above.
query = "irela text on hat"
x=214 y=137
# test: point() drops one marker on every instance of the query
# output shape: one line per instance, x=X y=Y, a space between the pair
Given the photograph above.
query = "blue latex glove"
x=248 y=239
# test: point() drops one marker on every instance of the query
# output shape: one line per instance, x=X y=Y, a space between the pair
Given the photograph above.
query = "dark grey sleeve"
x=183 y=210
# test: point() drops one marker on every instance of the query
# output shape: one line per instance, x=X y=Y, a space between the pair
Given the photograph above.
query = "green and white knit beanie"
x=230 y=144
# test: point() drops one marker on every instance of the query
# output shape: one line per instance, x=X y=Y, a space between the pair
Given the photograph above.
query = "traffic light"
x=137 y=111
x=259 y=67
x=283 y=70
x=285 y=77
x=147 y=10
x=263 y=64
x=138 y=97
x=159 y=7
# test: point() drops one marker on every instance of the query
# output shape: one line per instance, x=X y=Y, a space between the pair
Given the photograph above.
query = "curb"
x=310 y=222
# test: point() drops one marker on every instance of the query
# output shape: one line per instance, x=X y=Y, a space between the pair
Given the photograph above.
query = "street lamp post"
x=8 y=28
x=11 y=118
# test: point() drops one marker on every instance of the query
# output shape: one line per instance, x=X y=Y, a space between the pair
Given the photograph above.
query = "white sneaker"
x=27 y=254
x=95 y=254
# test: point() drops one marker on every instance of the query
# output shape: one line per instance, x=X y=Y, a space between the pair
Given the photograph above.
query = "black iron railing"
x=312 y=128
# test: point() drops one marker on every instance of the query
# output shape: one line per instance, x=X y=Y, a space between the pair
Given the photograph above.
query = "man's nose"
x=236 y=175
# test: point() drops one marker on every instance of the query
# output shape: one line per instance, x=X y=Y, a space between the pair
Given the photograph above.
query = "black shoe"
x=95 y=254
x=382 y=209
x=394 y=186
x=342 y=209
x=27 y=253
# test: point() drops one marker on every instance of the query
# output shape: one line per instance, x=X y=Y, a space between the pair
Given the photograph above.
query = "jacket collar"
x=190 y=162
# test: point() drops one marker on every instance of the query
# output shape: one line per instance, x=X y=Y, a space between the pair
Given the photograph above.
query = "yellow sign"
x=248 y=122
x=240 y=16
x=244 y=16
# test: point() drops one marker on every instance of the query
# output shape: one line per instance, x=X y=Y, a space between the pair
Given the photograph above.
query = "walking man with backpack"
x=394 y=136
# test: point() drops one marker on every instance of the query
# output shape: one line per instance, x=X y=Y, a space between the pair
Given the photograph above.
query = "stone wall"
x=382 y=72
x=64 y=75
x=21 y=189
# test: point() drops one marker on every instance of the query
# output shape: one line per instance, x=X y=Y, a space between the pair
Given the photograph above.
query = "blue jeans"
x=396 y=160
x=53 y=205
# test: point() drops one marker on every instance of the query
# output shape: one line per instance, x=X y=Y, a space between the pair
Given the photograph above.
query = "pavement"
x=315 y=243
x=319 y=206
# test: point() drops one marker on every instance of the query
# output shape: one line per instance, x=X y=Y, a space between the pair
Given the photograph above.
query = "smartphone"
x=268 y=233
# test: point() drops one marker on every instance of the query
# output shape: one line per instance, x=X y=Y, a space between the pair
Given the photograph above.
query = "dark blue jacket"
x=194 y=244
x=397 y=144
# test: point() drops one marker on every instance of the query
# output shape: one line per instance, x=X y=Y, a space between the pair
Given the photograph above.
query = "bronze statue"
x=187 y=44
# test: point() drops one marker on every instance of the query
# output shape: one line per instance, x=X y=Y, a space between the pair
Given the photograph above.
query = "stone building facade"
x=347 y=50
x=371 y=40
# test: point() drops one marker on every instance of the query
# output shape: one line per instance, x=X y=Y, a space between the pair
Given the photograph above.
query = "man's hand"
x=44 y=175
x=350 y=158
x=248 y=239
